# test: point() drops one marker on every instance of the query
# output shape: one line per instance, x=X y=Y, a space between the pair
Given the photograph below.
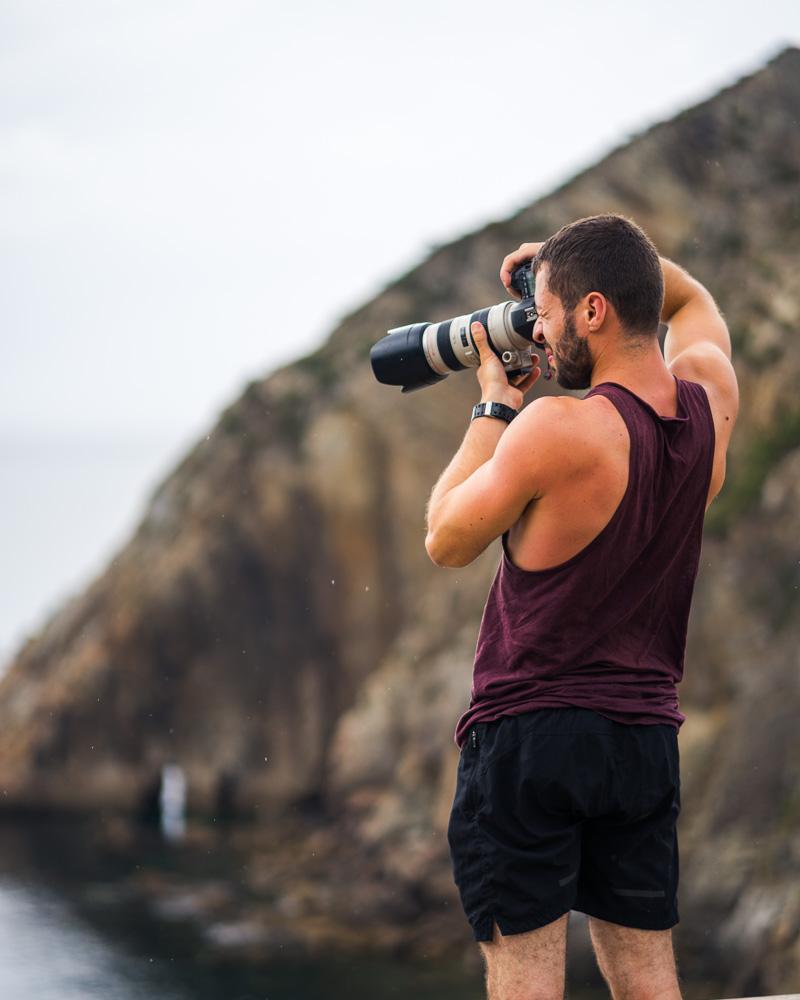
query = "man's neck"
x=634 y=369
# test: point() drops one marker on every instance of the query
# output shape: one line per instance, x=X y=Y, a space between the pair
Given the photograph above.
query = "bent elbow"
x=442 y=557
x=432 y=548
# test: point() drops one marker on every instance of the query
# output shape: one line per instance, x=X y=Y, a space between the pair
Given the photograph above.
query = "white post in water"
x=172 y=802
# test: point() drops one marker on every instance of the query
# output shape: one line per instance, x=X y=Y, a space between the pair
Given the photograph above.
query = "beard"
x=574 y=364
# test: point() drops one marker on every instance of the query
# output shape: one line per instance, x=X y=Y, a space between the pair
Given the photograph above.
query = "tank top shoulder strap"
x=696 y=398
x=624 y=400
x=692 y=427
x=691 y=396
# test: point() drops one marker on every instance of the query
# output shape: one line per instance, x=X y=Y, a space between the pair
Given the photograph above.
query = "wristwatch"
x=500 y=410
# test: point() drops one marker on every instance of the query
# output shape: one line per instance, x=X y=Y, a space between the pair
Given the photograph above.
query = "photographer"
x=568 y=786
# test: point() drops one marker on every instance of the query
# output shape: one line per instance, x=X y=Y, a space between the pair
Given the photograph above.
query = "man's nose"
x=538 y=332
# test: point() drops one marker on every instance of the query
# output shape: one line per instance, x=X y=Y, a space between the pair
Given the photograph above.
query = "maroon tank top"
x=606 y=630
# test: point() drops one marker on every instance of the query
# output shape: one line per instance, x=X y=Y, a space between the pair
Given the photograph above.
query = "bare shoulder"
x=550 y=416
x=568 y=418
x=566 y=431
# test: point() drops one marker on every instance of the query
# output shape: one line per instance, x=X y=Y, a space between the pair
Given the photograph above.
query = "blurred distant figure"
x=173 y=802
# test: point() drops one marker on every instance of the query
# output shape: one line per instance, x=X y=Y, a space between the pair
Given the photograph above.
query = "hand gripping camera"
x=425 y=353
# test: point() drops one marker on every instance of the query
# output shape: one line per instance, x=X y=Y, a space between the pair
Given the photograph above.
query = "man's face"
x=567 y=352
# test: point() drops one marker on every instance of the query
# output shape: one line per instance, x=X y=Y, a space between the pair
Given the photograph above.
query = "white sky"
x=192 y=193
x=173 y=172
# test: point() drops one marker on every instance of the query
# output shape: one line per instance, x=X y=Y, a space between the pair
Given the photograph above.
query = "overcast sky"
x=193 y=192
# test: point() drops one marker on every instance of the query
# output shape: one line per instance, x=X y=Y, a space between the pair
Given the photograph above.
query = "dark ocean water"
x=70 y=931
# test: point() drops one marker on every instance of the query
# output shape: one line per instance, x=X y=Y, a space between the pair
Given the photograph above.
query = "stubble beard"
x=574 y=364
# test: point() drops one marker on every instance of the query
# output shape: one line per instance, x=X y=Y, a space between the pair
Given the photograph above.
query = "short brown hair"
x=611 y=255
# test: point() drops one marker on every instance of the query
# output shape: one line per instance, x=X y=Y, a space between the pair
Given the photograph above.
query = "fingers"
x=481 y=342
x=493 y=366
x=481 y=339
x=525 y=381
x=529 y=380
x=526 y=252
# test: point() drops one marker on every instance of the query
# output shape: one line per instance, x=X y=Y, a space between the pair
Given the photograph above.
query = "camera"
x=423 y=354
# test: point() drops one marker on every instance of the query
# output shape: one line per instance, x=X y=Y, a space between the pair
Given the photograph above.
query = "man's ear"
x=596 y=310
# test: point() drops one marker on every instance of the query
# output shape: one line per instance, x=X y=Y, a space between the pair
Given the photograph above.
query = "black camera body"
x=423 y=354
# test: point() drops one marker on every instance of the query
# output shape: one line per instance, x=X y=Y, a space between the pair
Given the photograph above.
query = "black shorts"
x=562 y=809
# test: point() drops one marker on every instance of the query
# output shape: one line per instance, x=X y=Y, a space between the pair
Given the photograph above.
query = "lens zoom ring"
x=446 y=348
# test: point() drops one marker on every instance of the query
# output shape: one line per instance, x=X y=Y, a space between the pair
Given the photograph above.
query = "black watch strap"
x=500 y=410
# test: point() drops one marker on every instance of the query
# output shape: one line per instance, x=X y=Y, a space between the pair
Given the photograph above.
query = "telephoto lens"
x=423 y=354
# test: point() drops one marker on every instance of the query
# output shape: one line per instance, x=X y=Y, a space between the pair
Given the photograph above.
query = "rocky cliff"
x=276 y=627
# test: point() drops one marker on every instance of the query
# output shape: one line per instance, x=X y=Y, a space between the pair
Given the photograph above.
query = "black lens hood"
x=399 y=359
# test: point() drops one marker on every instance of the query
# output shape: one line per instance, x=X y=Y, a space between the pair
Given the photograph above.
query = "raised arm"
x=698 y=348
x=691 y=315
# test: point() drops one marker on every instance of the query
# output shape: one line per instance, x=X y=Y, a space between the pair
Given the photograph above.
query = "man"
x=568 y=786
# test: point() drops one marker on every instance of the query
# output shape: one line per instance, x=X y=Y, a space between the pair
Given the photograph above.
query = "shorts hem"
x=642 y=922
x=484 y=931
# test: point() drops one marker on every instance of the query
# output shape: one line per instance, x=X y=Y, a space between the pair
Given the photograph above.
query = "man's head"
x=599 y=286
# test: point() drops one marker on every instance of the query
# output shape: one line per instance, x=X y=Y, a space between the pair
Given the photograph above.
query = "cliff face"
x=276 y=627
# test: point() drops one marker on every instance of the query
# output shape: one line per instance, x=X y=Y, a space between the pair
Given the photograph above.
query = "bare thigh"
x=529 y=966
x=636 y=964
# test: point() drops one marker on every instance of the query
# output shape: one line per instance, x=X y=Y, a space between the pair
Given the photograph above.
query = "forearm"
x=679 y=288
x=690 y=312
x=477 y=448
